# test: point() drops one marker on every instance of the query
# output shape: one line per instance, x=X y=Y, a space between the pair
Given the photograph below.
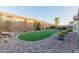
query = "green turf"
x=37 y=35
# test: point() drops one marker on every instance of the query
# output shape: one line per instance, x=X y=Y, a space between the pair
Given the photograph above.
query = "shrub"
x=68 y=30
x=65 y=28
x=61 y=36
x=53 y=27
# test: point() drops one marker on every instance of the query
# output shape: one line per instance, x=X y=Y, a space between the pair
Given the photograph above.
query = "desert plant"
x=68 y=30
x=53 y=27
x=38 y=26
x=61 y=35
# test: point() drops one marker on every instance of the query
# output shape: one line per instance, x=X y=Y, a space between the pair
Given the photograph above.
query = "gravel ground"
x=48 y=45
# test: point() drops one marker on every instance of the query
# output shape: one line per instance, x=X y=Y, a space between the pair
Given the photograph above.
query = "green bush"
x=64 y=28
x=61 y=35
x=53 y=27
x=68 y=30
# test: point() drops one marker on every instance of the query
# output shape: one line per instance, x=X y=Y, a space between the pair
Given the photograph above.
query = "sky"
x=44 y=13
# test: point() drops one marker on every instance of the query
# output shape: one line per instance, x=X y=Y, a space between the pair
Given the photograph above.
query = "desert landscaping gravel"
x=70 y=44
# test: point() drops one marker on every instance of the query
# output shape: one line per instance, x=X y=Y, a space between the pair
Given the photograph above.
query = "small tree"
x=57 y=21
x=38 y=25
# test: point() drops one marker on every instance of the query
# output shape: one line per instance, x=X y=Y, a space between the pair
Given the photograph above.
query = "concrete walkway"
x=48 y=45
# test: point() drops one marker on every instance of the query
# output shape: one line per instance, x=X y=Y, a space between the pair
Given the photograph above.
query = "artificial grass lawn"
x=37 y=35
